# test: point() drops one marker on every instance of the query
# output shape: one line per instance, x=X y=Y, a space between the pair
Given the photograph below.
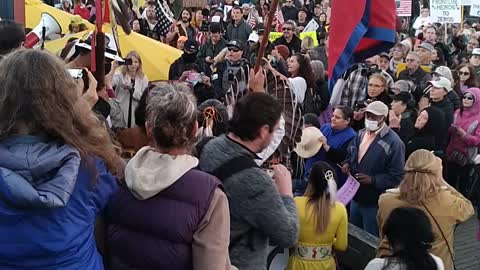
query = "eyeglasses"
x=287 y=29
x=464 y=73
x=410 y=60
x=233 y=50
x=468 y=97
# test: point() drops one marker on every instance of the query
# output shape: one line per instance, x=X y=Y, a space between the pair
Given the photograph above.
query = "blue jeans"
x=364 y=217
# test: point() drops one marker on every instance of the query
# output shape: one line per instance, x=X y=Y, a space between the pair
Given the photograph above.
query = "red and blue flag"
x=358 y=30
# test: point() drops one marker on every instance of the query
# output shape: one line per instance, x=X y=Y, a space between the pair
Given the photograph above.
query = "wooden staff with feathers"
x=121 y=14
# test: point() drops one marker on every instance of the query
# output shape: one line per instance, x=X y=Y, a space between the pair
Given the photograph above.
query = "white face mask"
x=371 y=125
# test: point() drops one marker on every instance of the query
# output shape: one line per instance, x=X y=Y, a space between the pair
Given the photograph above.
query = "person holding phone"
x=464 y=140
x=129 y=84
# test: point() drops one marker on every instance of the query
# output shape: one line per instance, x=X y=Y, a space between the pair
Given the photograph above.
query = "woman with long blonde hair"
x=129 y=84
x=55 y=164
x=424 y=188
x=323 y=222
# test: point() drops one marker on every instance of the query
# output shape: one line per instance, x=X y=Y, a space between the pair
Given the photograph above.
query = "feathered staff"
x=264 y=41
x=121 y=11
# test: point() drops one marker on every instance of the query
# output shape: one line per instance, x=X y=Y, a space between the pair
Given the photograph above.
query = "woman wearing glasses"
x=464 y=139
x=467 y=76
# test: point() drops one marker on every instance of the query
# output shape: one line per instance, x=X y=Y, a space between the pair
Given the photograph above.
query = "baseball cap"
x=476 y=51
x=427 y=46
x=260 y=29
x=444 y=71
x=191 y=46
x=235 y=43
x=377 y=108
x=245 y=6
x=253 y=37
x=442 y=83
x=384 y=54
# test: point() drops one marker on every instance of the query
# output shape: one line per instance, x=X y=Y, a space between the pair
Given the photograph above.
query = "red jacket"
x=82 y=11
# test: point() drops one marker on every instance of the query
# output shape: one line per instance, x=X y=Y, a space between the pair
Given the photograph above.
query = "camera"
x=127 y=62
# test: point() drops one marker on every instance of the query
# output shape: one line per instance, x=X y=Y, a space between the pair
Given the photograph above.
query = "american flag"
x=404 y=8
x=251 y=20
x=280 y=19
x=164 y=17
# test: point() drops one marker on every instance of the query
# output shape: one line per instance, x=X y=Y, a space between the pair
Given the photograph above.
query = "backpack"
x=312 y=102
x=224 y=172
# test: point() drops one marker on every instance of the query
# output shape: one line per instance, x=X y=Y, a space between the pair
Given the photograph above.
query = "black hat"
x=235 y=43
x=403 y=96
x=191 y=46
x=215 y=27
x=260 y=29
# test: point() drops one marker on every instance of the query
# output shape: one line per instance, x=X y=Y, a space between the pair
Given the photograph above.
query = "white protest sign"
x=446 y=11
x=312 y=26
x=475 y=10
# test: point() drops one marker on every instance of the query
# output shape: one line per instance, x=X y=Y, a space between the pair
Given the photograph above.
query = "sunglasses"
x=233 y=50
x=464 y=73
x=287 y=29
x=468 y=97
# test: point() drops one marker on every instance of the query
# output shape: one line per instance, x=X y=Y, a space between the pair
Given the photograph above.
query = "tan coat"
x=449 y=208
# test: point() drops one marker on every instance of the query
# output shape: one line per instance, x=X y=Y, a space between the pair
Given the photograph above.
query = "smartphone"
x=126 y=62
x=194 y=77
x=76 y=73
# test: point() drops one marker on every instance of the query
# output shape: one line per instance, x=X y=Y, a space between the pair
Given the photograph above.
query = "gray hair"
x=172 y=114
x=318 y=69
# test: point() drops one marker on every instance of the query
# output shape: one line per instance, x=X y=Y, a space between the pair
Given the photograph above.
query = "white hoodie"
x=149 y=172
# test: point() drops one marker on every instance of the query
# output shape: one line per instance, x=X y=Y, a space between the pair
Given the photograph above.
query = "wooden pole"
x=461 y=18
x=264 y=41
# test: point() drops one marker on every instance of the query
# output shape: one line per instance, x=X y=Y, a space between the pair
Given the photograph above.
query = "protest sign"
x=466 y=2
x=274 y=35
x=346 y=193
x=404 y=8
x=312 y=26
x=475 y=10
x=313 y=35
x=446 y=11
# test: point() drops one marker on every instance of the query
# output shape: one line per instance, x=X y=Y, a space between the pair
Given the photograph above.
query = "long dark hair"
x=305 y=69
x=321 y=191
x=409 y=232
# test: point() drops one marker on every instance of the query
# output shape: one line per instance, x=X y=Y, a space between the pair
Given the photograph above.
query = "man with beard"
x=289 y=38
x=212 y=48
x=187 y=59
x=149 y=26
x=184 y=26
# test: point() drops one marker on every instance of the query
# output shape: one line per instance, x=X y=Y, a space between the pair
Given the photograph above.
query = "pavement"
x=467 y=247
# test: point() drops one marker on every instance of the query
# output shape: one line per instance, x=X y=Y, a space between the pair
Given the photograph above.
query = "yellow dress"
x=336 y=235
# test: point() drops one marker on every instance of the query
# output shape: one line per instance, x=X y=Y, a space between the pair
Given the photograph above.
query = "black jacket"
x=430 y=136
x=222 y=81
x=446 y=107
x=407 y=127
x=294 y=46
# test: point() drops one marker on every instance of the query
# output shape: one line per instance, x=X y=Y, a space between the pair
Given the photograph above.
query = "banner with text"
x=446 y=11
x=475 y=10
x=404 y=8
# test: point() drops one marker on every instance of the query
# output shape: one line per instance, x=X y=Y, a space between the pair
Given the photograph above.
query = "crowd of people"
x=210 y=168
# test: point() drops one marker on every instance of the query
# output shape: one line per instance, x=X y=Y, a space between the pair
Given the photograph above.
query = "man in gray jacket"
x=238 y=28
x=262 y=209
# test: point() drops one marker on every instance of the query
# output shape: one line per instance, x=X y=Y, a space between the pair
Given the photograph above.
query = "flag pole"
x=461 y=17
x=264 y=41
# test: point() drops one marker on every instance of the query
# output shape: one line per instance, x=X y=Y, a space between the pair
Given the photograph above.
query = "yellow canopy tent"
x=156 y=56
x=35 y=8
